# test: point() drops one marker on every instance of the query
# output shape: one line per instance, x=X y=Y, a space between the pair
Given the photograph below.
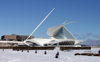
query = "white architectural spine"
x=40 y=23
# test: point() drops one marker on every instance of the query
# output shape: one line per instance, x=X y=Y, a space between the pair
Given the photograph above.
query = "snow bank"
x=64 y=56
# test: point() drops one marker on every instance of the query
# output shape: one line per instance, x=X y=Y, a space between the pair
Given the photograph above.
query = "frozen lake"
x=64 y=56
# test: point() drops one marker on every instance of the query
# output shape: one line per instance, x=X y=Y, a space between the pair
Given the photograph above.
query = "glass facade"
x=67 y=43
x=64 y=34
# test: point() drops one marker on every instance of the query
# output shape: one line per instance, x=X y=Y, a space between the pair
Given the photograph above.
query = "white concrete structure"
x=60 y=36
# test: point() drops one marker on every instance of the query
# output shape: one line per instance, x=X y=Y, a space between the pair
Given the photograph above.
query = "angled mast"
x=40 y=23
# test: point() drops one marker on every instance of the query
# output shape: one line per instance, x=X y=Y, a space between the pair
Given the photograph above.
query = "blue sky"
x=22 y=16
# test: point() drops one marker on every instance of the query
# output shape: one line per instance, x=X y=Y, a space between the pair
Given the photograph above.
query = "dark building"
x=14 y=37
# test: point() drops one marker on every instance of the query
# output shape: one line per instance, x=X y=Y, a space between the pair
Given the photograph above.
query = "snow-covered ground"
x=64 y=56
